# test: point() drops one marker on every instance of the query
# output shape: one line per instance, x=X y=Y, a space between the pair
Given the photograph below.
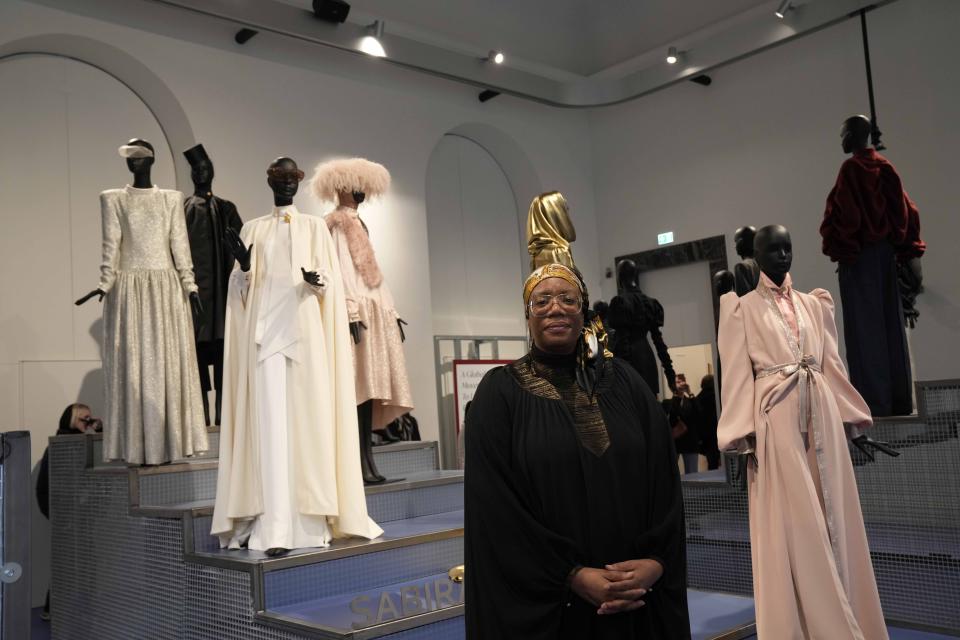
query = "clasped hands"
x=619 y=587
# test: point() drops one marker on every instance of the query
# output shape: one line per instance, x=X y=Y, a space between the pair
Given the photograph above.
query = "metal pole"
x=874 y=129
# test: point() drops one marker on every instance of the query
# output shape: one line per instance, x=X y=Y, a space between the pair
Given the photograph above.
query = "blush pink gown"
x=784 y=382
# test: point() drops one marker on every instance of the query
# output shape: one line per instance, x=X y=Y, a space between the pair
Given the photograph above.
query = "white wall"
x=248 y=110
x=761 y=146
x=247 y=106
x=476 y=250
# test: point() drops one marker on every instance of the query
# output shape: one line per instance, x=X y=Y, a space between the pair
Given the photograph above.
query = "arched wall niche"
x=479 y=184
x=136 y=76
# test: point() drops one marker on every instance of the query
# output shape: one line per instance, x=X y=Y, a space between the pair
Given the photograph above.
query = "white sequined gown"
x=154 y=412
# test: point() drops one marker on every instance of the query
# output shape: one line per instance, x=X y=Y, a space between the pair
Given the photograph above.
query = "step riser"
x=411 y=503
x=210 y=454
x=360 y=573
x=201 y=484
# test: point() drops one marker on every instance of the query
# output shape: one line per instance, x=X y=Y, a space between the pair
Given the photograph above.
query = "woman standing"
x=574 y=517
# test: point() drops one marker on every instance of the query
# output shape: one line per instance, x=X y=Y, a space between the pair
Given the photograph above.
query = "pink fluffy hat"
x=349 y=174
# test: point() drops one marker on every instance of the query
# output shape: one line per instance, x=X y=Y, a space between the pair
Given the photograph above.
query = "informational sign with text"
x=467 y=374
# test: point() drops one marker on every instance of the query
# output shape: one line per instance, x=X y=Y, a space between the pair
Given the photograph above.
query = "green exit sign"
x=665 y=238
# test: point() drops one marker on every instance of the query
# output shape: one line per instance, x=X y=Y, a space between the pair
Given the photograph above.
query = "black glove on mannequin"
x=865 y=444
x=355 y=328
x=311 y=277
x=95 y=292
x=197 y=308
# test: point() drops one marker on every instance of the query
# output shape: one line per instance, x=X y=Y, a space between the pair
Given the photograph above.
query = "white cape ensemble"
x=321 y=415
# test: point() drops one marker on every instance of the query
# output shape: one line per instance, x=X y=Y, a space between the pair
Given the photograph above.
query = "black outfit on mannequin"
x=564 y=481
x=208 y=217
x=632 y=317
x=707 y=404
x=877 y=353
x=746 y=275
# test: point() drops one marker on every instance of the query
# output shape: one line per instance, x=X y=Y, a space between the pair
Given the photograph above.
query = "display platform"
x=132 y=554
x=911 y=511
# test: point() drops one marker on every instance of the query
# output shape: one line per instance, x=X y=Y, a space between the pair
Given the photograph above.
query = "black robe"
x=633 y=315
x=212 y=262
x=539 y=503
x=746 y=276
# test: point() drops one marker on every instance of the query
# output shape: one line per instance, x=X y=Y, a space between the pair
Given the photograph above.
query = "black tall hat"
x=196 y=154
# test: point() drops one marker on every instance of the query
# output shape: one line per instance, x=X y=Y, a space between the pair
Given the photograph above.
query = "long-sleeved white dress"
x=154 y=412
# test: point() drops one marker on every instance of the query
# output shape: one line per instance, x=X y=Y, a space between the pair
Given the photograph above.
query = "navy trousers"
x=873 y=327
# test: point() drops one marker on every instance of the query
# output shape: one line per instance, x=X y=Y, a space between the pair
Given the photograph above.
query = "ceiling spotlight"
x=370 y=44
x=495 y=57
x=672 y=55
x=785 y=6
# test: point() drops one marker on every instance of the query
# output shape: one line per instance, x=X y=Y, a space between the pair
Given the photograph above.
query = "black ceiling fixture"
x=874 y=127
x=703 y=79
x=335 y=11
x=244 y=35
x=488 y=94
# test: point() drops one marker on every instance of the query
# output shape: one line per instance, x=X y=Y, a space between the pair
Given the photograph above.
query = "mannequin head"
x=140 y=165
x=723 y=282
x=351 y=199
x=201 y=169
x=743 y=239
x=855 y=133
x=627 y=275
x=284 y=178
x=773 y=251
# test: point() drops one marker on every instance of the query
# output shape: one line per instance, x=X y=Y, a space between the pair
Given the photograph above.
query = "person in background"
x=684 y=415
x=75 y=419
x=707 y=406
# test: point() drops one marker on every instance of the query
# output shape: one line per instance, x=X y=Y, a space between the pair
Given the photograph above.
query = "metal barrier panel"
x=446 y=349
x=16 y=492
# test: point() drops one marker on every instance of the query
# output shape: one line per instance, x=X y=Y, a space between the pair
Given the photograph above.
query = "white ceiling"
x=580 y=37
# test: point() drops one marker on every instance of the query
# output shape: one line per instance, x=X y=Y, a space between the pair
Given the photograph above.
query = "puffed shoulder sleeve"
x=180 y=242
x=737 y=391
x=853 y=408
x=112 y=236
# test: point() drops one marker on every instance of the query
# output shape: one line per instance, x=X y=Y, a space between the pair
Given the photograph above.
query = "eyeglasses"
x=540 y=305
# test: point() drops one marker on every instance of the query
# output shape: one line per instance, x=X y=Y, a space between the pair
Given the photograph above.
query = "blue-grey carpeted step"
x=196 y=480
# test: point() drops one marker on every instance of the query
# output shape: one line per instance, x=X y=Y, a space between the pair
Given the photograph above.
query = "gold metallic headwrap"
x=551 y=271
x=550 y=230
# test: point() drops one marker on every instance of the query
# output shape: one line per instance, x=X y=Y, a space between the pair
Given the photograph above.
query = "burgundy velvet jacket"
x=868 y=205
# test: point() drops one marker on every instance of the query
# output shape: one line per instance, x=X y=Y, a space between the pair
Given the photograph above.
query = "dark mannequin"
x=855 y=133
x=283 y=177
x=352 y=200
x=723 y=282
x=140 y=167
x=207 y=216
x=632 y=315
x=871 y=228
x=774 y=254
x=746 y=273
